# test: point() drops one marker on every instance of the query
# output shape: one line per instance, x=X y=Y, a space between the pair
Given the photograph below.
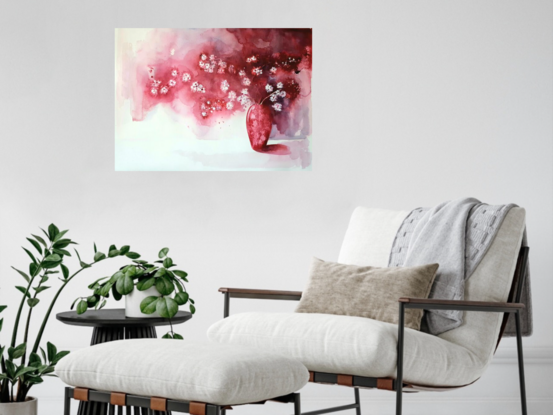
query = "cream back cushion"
x=369 y=239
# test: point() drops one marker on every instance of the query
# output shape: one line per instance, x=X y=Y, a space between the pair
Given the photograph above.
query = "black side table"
x=111 y=324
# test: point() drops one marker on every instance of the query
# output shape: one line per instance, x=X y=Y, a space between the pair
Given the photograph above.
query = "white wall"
x=414 y=103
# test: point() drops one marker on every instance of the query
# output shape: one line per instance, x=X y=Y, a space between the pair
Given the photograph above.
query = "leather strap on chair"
x=386 y=384
x=117 y=398
x=80 y=394
x=311 y=377
x=344 y=380
x=197 y=408
x=158 y=404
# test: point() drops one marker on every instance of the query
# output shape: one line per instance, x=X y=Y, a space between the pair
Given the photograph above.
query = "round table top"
x=115 y=317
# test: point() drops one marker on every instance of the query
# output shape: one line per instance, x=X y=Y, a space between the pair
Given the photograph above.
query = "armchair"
x=373 y=354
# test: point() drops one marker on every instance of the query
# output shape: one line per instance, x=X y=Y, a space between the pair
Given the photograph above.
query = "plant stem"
x=18 y=316
x=47 y=315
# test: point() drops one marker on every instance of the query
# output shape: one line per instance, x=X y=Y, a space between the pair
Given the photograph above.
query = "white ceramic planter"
x=29 y=407
x=133 y=300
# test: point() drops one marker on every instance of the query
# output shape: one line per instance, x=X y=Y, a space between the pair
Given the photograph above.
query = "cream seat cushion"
x=351 y=345
x=176 y=369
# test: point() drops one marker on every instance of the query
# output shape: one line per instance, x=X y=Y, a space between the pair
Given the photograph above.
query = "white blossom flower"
x=253 y=59
x=174 y=72
x=204 y=114
x=156 y=83
x=257 y=71
x=279 y=85
x=230 y=105
x=224 y=86
x=232 y=95
x=204 y=56
x=212 y=58
x=172 y=82
x=222 y=64
x=242 y=73
x=164 y=90
x=268 y=88
x=246 y=81
x=248 y=60
x=154 y=91
x=273 y=70
x=273 y=97
x=202 y=64
x=221 y=70
x=231 y=68
x=210 y=68
x=196 y=87
x=277 y=107
x=245 y=91
x=172 y=52
x=186 y=77
x=282 y=94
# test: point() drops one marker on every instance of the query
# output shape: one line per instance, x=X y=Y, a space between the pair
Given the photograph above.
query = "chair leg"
x=67 y=403
x=399 y=377
x=357 y=401
x=520 y=364
x=297 y=404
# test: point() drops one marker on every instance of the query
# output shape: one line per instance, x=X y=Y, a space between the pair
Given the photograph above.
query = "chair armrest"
x=261 y=294
x=435 y=304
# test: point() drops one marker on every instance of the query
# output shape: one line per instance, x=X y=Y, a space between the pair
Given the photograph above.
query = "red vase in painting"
x=259 y=122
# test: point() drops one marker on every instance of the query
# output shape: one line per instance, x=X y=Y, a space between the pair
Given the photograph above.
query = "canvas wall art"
x=213 y=99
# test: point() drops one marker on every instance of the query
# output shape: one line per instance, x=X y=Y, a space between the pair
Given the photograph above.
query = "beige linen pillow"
x=371 y=292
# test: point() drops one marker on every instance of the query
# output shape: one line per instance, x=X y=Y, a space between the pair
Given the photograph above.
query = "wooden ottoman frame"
x=144 y=405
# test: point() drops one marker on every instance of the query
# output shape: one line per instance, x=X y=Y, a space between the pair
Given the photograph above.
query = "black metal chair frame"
x=513 y=306
x=143 y=404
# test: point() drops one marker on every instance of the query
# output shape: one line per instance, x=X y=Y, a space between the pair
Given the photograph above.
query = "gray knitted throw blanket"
x=457 y=235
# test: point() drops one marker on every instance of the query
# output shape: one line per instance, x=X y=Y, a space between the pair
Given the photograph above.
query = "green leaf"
x=167 y=336
x=62 y=252
x=95 y=250
x=35 y=244
x=39 y=239
x=104 y=291
x=59 y=356
x=34 y=360
x=44 y=279
x=167 y=307
x=23 y=290
x=160 y=272
x=92 y=300
x=53 y=231
x=10 y=368
x=73 y=305
x=181 y=298
x=167 y=262
x=99 y=256
x=40 y=288
x=65 y=271
x=116 y=295
x=82 y=307
x=149 y=304
x=177 y=336
x=192 y=301
x=32 y=302
x=23 y=370
x=52 y=351
x=145 y=283
x=164 y=286
x=60 y=235
x=132 y=255
x=30 y=254
x=113 y=253
x=112 y=248
x=3 y=307
x=62 y=243
x=95 y=283
x=163 y=252
x=1 y=324
x=23 y=274
x=130 y=271
x=124 y=249
x=34 y=269
x=192 y=308
x=102 y=305
x=42 y=352
x=17 y=352
x=125 y=285
x=51 y=261
x=180 y=273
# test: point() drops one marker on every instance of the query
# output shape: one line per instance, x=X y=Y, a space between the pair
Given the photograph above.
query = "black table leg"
x=108 y=334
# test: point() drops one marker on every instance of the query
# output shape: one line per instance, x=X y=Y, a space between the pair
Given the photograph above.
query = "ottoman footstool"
x=180 y=376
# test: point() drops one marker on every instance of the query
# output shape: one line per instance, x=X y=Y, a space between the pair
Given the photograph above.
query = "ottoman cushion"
x=205 y=372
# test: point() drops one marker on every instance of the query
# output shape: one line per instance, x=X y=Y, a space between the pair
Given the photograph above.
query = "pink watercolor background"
x=208 y=76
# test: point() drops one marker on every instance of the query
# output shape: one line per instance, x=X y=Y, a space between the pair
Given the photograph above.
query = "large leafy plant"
x=141 y=275
x=21 y=365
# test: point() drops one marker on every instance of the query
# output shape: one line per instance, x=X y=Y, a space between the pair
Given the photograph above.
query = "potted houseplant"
x=24 y=363
x=150 y=289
